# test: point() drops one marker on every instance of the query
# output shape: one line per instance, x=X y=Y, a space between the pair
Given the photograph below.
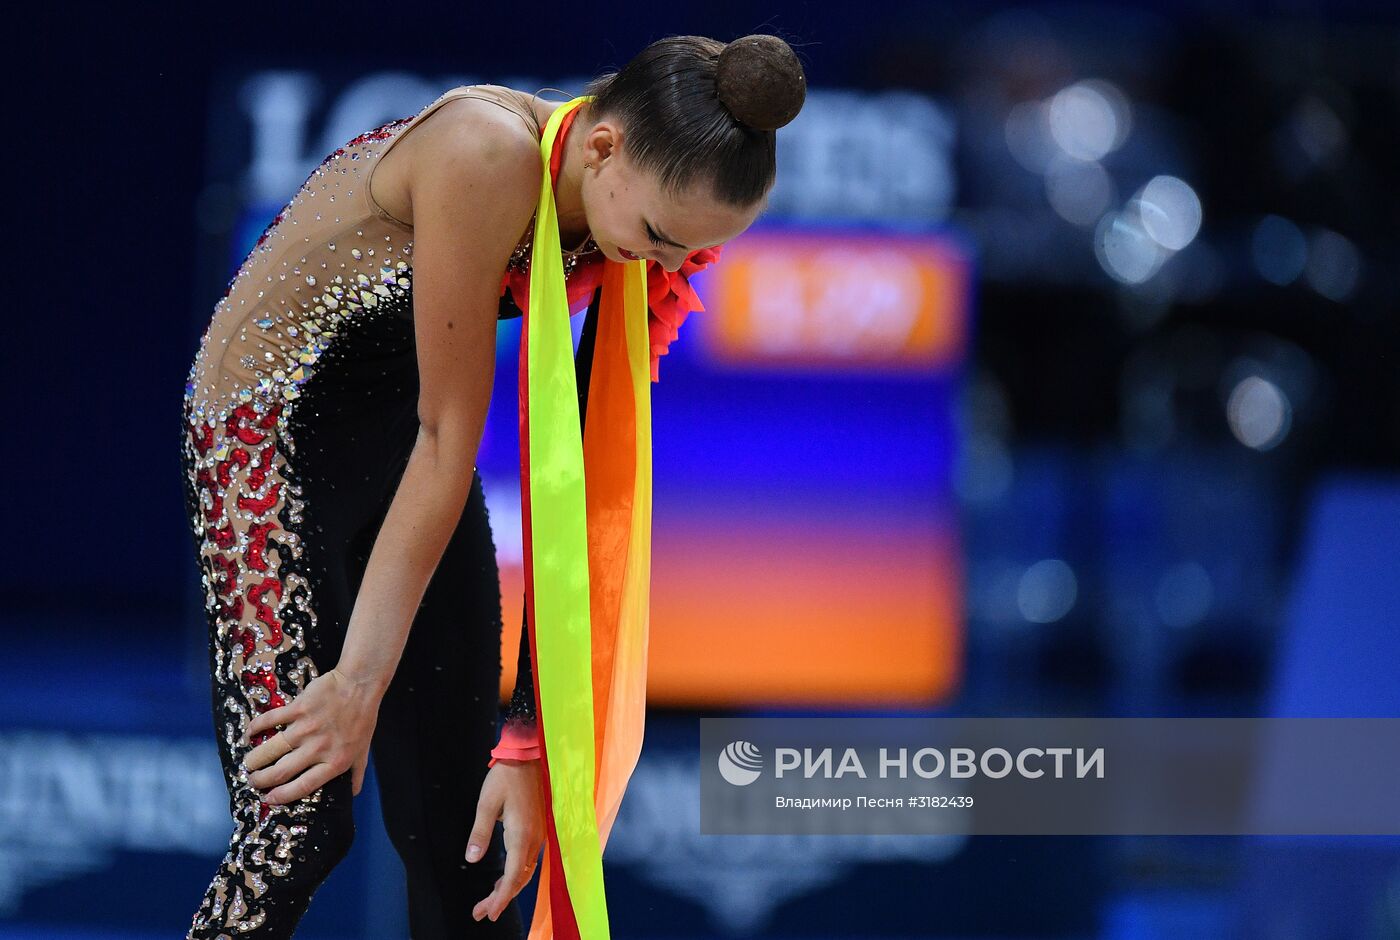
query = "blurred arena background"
x=1060 y=378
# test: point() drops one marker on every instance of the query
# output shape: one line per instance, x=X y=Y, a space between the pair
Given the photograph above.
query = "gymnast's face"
x=631 y=217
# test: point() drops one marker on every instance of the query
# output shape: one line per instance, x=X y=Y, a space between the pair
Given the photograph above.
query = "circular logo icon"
x=740 y=763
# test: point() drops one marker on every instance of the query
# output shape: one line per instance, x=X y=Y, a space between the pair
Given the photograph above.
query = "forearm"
x=424 y=513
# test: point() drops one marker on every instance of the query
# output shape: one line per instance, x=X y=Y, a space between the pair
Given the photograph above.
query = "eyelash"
x=654 y=240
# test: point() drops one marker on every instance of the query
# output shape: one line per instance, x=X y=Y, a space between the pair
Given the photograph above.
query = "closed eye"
x=655 y=240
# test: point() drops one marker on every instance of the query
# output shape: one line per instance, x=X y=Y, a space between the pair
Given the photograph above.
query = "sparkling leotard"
x=299 y=416
x=330 y=253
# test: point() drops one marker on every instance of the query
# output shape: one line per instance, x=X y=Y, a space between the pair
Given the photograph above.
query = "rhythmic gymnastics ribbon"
x=585 y=496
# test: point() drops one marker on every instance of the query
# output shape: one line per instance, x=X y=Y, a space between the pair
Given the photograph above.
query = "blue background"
x=1128 y=551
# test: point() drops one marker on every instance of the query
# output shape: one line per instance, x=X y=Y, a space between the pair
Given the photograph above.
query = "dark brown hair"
x=695 y=110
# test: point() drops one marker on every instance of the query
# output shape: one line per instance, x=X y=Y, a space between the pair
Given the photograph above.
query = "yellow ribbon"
x=587 y=559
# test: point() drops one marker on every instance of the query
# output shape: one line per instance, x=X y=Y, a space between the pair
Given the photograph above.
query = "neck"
x=568 y=190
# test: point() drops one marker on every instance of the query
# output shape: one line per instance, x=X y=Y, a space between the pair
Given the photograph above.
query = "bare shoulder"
x=472 y=127
x=476 y=167
x=467 y=143
x=472 y=183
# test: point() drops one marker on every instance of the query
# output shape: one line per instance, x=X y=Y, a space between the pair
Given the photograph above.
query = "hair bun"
x=760 y=81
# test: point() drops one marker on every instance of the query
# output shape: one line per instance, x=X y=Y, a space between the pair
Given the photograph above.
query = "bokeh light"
x=1047 y=591
x=1089 y=119
x=1334 y=265
x=1171 y=211
x=1125 y=249
x=1259 y=413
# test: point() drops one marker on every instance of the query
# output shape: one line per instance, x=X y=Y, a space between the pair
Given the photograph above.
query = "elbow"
x=451 y=445
x=448 y=424
x=429 y=425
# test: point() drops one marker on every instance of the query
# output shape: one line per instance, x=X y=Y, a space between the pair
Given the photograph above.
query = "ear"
x=603 y=141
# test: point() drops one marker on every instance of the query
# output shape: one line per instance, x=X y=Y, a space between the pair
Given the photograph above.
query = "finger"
x=303 y=786
x=516 y=877
x=268 y=752
x=297 y=760
x=488 y=810
x=484 y=906
x=524 y=837
x=267 y=721
x=358 y=777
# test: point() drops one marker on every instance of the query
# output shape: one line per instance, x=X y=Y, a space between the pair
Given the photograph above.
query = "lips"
x=627 y=254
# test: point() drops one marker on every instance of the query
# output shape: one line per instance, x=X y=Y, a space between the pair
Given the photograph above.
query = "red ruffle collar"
x=669 y=293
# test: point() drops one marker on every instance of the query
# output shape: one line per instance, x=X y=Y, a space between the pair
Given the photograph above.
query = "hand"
x=512 y=793
x=323 y=732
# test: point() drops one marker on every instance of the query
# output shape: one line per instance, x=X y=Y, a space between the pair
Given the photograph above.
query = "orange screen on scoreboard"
x=805 y=549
